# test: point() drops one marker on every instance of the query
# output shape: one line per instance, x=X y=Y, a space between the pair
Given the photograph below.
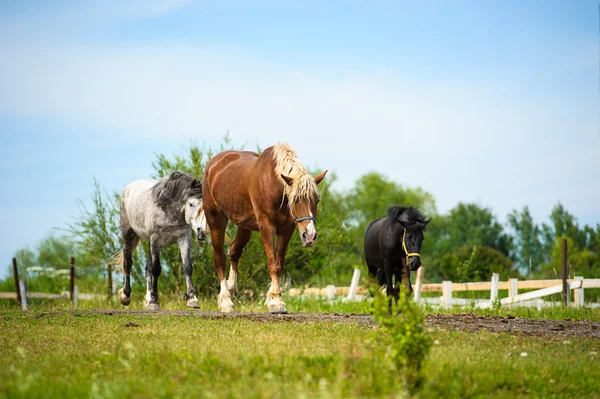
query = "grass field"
x=51 y=352
x=312 y=305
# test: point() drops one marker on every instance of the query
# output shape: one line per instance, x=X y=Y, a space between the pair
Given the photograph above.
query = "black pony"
x=393 y=246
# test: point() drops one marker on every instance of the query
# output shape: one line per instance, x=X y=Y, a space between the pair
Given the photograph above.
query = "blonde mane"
x=304 y=187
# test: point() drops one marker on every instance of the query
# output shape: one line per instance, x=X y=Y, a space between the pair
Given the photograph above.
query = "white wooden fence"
x=531 y=298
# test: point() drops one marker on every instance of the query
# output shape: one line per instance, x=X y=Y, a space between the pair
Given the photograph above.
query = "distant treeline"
x=466 y=244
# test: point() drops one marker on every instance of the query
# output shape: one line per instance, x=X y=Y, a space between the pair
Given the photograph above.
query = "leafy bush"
x=402 y=338
x=475 y=263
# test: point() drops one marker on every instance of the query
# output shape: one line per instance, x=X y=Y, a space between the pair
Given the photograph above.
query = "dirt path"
x=460 y=322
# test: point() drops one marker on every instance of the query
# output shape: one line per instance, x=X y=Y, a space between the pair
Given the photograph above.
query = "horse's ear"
x=287 y=179
x=320 y=177
x=423 y=225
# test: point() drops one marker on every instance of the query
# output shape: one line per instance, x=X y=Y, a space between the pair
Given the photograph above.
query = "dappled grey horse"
x=160 y=212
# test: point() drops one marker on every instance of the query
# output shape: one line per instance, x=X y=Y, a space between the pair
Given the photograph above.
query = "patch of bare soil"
x=515 y=325
x=459 y=322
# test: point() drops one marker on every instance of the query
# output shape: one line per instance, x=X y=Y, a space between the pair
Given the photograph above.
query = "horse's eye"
x=191 y=204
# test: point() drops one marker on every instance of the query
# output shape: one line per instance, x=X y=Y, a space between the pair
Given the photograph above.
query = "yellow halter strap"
x=408 y=254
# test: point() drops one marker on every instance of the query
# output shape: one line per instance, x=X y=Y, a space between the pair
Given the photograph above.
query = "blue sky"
x=475 y=101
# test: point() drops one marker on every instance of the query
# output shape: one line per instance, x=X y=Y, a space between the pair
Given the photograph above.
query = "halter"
x=296 y=220
x=408 y=255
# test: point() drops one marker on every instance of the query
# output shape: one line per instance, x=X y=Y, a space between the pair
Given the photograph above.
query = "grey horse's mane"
x=175 y=188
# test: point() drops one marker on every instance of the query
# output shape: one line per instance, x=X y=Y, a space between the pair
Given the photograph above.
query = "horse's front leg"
x=153 y=270
x=185 y=244
x=267 y=233
x=218 y=223
x=405 y=277
x=389 y=282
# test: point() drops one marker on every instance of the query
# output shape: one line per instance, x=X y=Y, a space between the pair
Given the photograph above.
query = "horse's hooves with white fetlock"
x=153 y=307
x=124 y=299
x=192 y=303
x=276 y=306
x=225 y=305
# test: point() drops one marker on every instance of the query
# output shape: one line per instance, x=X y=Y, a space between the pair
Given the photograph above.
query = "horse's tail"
x=119 y=258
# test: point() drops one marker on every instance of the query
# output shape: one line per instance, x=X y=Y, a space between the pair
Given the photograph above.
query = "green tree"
x=562 y=224
x=583 y=245
x=38 y=266
x=97 y=231
x=527 y=249
x=475 y=263
x=373 y=193
x=472 y=224
x=466 y=225
x=580 y=261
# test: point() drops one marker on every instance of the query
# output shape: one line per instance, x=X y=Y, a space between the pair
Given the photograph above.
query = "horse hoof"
x=153 y=307
x=227 y=309
x=277 y=307
x=193 y=303
x=124 y=299
x=226 y=306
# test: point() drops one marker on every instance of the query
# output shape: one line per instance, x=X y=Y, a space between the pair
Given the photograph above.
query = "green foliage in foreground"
x=401 y=337
x=66 y=354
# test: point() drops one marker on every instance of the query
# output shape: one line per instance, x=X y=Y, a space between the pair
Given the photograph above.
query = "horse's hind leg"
x=191 y=300
x=130 y=241
x=153 y=270
x=241 y=239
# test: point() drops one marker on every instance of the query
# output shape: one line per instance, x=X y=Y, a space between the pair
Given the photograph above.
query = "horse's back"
x=230 y=180
x=229 y=159
x=138 y=191
x=135 y=202
x=371 y=243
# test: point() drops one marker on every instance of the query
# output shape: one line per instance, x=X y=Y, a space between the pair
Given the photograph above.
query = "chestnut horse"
x=271 y=193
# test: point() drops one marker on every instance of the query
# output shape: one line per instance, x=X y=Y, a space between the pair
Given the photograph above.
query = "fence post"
x=23 y=287
x=513 y=287
x=331 y=292
x=72 y=279
x=446 y=294
x=354 y=285
x=578 y=294
x=109 y=291
x=494 y=289
x=75 y=295
x=17 y=286
x=419 y=284
x=565 y=283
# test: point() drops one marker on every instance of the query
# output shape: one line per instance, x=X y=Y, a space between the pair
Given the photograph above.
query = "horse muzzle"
x=201 y=235
x=308 y=239
x=414 y=263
